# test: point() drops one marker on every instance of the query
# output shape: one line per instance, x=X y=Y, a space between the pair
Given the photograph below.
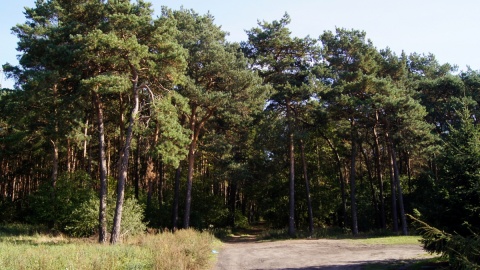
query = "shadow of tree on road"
x=379 y=265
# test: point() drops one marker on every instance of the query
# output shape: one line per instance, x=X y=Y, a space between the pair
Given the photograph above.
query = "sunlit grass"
x=186 y=249
x=390 y=240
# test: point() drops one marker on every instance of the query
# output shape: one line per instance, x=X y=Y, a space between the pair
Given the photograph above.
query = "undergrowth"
x=185 y=249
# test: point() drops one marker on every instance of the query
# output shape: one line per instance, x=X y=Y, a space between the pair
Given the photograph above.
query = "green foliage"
x=463 y=252
x=73 y=208
x=241 y=221
x=207 y=209
x=83 y=221
x=54 y=207
x=174 y=137
x=452 y=197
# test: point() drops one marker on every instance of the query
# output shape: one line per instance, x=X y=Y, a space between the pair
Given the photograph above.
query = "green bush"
x=54 y=208
x=73 y=208
x=84 y=219
x=241 y=221
x=463 y=252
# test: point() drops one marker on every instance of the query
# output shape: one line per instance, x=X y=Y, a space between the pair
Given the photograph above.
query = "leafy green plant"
x=463 y=252
x=84 y=219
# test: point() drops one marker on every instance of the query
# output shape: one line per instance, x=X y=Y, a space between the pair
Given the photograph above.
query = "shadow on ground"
x=378 y=265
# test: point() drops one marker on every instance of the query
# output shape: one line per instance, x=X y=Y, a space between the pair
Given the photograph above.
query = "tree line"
x=112 y=104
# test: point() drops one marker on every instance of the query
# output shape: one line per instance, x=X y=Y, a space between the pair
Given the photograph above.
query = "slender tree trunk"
x=352 y=179
x=122 y=174
x=371 y=181
x=341 y=179
x=102 y=216
x=191 y=167
x=409 y=171
x=149 y=173
x=307 y=188
x=136 y=173
x=54 y=167
x=195 y=128
x=176 y=194
x=403 y=219
x=232 y=201
x=85 y=133
x=392 y=187
x=161 y=181
x=54 y=181
x=378 y=172
x=291 y=154
x=150 y=178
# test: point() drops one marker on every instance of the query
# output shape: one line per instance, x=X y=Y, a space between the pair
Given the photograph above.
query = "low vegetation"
x=23 y=247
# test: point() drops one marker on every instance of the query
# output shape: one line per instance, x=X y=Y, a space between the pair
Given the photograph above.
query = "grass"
x=186 y=249
x=390 y=240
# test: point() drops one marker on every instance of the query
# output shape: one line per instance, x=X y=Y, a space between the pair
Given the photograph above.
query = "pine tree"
x=285 y=64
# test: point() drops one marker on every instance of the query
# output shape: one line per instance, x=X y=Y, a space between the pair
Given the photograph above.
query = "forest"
x=120 y=121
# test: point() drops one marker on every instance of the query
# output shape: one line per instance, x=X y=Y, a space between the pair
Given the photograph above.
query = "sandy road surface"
x=312 y=254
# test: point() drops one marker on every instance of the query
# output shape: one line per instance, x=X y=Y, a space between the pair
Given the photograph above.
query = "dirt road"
x=314 y=254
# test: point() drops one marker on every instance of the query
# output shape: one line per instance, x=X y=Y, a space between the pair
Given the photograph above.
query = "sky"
x=448 y=29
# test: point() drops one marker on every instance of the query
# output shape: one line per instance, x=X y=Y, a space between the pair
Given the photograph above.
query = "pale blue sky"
x=448 y=29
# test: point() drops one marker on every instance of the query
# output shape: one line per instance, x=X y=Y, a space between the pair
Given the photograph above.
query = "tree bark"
x=291 y=154
x=392 y=187
x=371 y=181
x=341 y=179
x=176 y=194
x=122 y=174
x=232 y=201
x=102 y=216
x=191 y=166
x=196 y=128
x=403 y=219
x=136 y=173
x=379 y=175
x=307 y=189
x=54 y=167
x=352 y=179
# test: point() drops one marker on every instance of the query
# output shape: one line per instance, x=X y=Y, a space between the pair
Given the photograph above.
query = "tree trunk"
x=392 y=187
x=352 y=180
x=191 y=166
x=307 y=189
x=232 y=201
x=399 y=189
x=341 y=179
x=195 y=128
x=54 y=167
x=379 y=175
x=122 y=174
x=102 y=216
x=136 y=173
x=371 y=181
x=291 y=154
x=176 y=194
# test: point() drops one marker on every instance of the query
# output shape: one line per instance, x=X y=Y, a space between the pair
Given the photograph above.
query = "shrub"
x=55 y=208
x=84 y=219
x=463 y=252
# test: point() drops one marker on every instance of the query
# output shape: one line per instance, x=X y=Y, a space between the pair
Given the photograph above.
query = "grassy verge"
x=186 y=249
x=390 y=240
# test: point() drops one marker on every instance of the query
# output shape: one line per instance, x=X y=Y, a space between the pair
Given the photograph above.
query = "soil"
x=245 y=252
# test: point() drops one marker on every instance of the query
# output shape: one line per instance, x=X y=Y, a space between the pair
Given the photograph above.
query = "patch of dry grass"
x=185 y=249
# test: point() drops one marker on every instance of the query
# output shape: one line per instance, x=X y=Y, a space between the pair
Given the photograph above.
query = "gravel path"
x=313 y=254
